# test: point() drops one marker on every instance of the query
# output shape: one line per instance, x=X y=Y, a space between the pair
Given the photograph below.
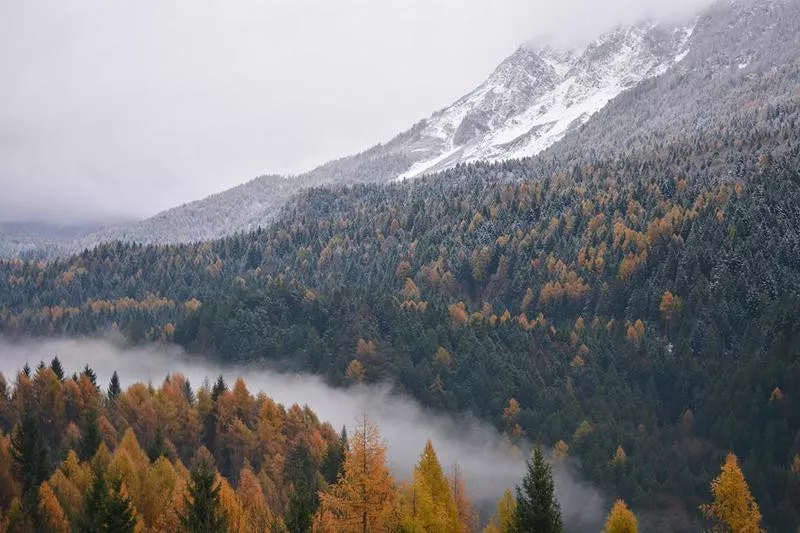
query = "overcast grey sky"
x=121 y=109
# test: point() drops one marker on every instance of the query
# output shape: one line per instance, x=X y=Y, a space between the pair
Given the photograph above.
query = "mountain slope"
x=622 y=92
x=744 y=55
x=528 y=103
x=539 y=94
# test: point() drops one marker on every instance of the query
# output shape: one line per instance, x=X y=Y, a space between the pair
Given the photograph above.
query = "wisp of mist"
x=488 y=466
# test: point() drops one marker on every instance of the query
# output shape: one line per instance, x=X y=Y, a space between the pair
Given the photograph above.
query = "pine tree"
x=159 y=447
x=29 y=451
x=734 y=508
x=203 y=510
x=537 y=508
x=113 y=388
x=90 y=436
x=302 y=476
x=89 y=373
x=94 y=515
x=58 y=370
x=620 y=519
x=188 y=393
x=333 y=463
x=121 y=517
x=219 y=387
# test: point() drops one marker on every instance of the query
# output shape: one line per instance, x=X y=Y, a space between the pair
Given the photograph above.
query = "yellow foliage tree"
x=560 y=451
x=364 y=497
x=506 y=508
x=619 y=456
x=511 y=412
x=355 y=372
x=620 y=520
x=443 y=357
x=584 y=429
x=428 y=504
x=734 y=508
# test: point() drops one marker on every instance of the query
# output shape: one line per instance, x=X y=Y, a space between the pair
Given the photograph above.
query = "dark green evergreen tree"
x=333 y=464
x=90 y=436
x=537 y=508
x=204 y=513
x=158 y=448
x=121 y=516
x=113 y=387
x=302 y=475
x=95 y=513
x=58 y=370
x=219 y=387
x=188 y=393
x=26 y=370
x=89 y=373
x=29 y=450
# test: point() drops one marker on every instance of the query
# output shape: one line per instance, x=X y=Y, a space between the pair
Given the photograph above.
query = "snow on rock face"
x=532 y=99
x=538 y=94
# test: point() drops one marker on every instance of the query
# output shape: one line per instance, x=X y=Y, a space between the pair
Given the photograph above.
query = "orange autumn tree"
x=51 y=515
x=734 y=508
x=364 y=497
x=467 y=516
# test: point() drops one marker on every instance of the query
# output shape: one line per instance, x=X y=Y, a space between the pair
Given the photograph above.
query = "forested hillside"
x=74 y=457
x=639 y=313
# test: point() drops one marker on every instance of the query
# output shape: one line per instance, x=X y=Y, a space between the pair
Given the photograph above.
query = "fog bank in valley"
x=488 y=466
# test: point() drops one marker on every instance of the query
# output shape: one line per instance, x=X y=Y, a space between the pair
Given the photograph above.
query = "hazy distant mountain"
x=528 y=103
x=629 y=88
x=30 y=240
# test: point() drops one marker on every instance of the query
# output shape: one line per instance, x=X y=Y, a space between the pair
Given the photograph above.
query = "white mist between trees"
x=489 y=466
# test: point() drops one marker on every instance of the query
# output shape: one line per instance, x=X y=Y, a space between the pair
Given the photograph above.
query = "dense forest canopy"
x=640 y=313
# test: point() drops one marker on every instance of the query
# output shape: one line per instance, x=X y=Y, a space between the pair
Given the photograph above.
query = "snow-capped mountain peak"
x=539 y=93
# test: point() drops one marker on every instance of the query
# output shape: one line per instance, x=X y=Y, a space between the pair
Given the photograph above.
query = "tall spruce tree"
x=333 y=464
x=537 y=508
x=121 y=517
x=302 y=475
x=94 y=516
x=90 y=436
x=29 y=451
x=219 y=387
x=90 y=373
x=204 y=513
x=57 y=368
x=113 y=388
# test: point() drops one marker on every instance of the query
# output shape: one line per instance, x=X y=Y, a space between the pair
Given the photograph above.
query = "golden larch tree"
x=428 y=504
x=364 y=497
x=620 y=519
x=734 y=508
x=506 y=508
